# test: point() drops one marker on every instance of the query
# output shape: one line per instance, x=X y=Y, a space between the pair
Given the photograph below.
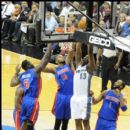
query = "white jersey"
x=81 y=81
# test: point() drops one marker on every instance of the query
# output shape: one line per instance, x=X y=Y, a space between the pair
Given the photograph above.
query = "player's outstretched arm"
x=99 y=98
x=44 y=60
x=78 y=55
x=70 y=57
x=49 y=70
x=100 y=52
x=15 y=81
x=92 y=65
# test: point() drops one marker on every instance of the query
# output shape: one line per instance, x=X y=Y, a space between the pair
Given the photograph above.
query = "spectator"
x=126 y=8
x=50 y=22
x=58 y=8
x=24 y=12
x=70 y=26
x=105 y=14
x=102 y=24
x=122 y=20
x=76 y=4
x=53 y=4
x=48 y=6
x=83 y=6
x=7 y=22
x=61 y=25
x=61 y=21
x=7 y=10
x=95 y=11
x=22 y=18
x=73 y=18
x=125 y=31
x=32 y=30
x=65 y=9
x=33 y=12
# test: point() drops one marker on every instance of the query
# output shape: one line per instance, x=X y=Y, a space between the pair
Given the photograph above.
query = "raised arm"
x=70 y=57
x=15 y=81
x=78 y=55
x=100 y=51
x=99 y=98
x=44 y=60
x=49 y=70
x=91 y=60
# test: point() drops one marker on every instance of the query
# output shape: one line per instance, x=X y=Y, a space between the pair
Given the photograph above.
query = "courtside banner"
x=94 y=38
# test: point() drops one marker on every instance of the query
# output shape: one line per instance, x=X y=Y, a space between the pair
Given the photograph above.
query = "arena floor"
x=46 y=119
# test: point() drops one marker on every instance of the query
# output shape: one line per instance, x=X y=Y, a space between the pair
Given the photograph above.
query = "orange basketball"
x=59 y=29
x=82 y=24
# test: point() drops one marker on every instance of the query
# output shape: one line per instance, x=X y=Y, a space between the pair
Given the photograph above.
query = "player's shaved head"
x=27 y=65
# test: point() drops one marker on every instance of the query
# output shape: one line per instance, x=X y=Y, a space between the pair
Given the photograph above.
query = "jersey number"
x=26 y=84
x=64 y=77
x=82 y=75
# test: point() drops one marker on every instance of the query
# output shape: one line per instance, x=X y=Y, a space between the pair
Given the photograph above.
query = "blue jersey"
x=64 y=78
x=30 y=83
x=110 y=107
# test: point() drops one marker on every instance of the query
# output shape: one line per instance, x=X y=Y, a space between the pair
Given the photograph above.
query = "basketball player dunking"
x=80 y=101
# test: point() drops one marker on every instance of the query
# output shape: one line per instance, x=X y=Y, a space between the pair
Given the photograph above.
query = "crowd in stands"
x=19 y=16
x=14 y=16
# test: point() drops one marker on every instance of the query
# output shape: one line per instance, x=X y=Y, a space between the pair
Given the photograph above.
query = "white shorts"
x=80 y=107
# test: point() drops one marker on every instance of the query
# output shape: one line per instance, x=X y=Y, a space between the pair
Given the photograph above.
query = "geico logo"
x=99 y=41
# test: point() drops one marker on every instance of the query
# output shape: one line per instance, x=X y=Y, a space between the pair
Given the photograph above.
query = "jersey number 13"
x=82 y=75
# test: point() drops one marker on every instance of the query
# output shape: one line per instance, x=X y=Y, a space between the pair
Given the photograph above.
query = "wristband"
x=124 y=108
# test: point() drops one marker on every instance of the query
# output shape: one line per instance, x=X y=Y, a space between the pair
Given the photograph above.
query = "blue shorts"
x=30 y=109
x=105 y=124
x=61 y=108
x=17 y=119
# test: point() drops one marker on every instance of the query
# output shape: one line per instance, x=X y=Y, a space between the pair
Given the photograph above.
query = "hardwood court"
x=46 y=119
